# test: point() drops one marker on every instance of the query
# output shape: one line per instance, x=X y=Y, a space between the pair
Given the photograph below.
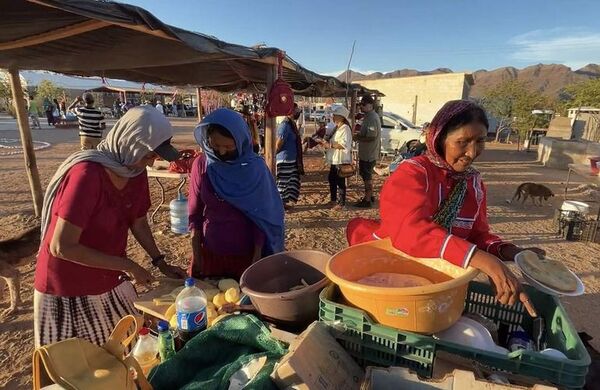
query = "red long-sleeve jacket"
x=409 y=200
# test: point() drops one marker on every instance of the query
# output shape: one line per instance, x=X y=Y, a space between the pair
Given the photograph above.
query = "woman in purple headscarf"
x=434 y=205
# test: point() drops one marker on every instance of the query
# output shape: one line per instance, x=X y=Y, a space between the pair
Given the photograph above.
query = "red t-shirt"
x=88 y=199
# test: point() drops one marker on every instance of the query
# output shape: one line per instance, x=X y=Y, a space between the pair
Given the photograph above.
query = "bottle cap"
x=144 y=331
x=163 y=326
x=189 y=282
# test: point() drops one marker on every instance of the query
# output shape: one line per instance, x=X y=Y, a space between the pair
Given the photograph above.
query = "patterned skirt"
x=90 y=317
x=288 y=181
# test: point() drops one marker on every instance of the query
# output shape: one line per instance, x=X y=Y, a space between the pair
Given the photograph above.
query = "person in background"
x=235 y=211
x=301 y=123
x=33 y=111
x=316 y=138
x=63 y=107
x=289 y=159
x=93 y=201
x=369 y=148
x=48 y=109
x=253 y=128
x=434 y=205
x=159 y=107
x=174 y=109
x=339 y=151
x=117 y=112
x=90 y=119
x=56 y=111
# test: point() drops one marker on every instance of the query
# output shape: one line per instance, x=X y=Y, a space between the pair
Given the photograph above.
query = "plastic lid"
x=144 y=331
x=189 y=282
x=163 y=326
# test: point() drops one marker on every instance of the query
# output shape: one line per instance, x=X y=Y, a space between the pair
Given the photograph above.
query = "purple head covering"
x=450 y=110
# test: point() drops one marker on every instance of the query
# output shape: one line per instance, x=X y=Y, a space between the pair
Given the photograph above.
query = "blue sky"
x=419 y=34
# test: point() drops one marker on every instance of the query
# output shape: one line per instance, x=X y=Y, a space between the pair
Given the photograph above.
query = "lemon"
x=232 y=295
x=170 y=311
x=173 y=321
x=219 y=300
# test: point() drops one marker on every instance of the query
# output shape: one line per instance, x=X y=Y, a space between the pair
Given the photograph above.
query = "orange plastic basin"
x=424 y=309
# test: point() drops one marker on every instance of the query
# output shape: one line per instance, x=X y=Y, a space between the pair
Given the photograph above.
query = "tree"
x=511 y=103
x=46 y=89
x=586 y=93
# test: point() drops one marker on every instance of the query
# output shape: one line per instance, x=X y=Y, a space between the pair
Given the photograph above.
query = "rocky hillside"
x=548 y=79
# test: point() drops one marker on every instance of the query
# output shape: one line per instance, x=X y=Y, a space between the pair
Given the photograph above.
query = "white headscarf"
x=138 y=132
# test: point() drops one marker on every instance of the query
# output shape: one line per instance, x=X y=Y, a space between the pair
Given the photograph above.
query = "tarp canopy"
x=121 y=41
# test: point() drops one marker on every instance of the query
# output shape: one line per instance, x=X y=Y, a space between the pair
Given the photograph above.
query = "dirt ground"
x=310 y=225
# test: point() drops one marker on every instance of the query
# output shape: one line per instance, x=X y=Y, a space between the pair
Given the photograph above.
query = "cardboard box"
x=402 y=378
x=316 y=361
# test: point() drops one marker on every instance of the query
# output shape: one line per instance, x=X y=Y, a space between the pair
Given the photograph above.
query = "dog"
x=12 y=253
x=534 y=191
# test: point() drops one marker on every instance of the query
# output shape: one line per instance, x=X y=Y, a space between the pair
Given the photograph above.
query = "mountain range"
x=548 y=79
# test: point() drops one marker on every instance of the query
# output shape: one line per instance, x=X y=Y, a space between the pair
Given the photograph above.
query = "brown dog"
x=12 y=252
x=534 y=190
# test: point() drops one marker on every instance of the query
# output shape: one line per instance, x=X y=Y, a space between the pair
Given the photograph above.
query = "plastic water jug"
x=190 y=306
x=146 y=351
x=179 y=214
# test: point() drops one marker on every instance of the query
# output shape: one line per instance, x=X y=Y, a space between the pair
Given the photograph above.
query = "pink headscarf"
x=434 y=131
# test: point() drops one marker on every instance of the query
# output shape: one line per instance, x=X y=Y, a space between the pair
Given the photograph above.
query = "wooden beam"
x=26 y=141
x=140 y=28
x=270 y=126
x=49 y=36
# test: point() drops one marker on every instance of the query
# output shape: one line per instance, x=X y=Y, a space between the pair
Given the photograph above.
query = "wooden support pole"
x=353 y=99
x=199 y=99
x=270 y=126
x=26 y=141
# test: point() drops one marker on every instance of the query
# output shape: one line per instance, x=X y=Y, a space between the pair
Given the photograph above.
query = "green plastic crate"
x=375 y=344
x=372 y=344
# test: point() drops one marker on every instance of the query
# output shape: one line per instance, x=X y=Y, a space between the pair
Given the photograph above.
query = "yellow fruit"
x=173 y=321
x=211 y=313
x=210 y=305
x=170 y=311
x=232 y=295
x=210 y=293
x=226 y=284
x=219 y=300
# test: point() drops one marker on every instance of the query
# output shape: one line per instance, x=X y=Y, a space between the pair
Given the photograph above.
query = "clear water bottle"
x=190 y=306
x=145 y=351
x=166 y=343
x=179 y=214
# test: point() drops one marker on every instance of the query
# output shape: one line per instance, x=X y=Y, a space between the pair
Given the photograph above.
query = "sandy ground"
x=310 y=225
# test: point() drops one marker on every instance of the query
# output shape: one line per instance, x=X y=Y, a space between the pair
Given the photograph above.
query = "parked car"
x=317 y=115
x=398 y=133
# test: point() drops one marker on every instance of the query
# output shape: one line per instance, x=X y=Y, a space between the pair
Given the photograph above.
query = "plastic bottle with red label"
x=190 y=306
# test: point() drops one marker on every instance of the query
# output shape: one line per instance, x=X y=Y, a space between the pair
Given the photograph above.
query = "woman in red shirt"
x=434 y=205
x=91 y=203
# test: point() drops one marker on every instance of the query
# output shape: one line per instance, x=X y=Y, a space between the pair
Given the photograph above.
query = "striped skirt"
x=288 y=181
x=90 y=317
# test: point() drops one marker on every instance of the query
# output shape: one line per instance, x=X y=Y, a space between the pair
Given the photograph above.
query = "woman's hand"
x=139 y=274
x=171 y=271
x=508 y=289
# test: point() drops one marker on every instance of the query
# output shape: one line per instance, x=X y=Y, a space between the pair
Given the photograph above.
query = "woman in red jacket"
x=434 y=205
